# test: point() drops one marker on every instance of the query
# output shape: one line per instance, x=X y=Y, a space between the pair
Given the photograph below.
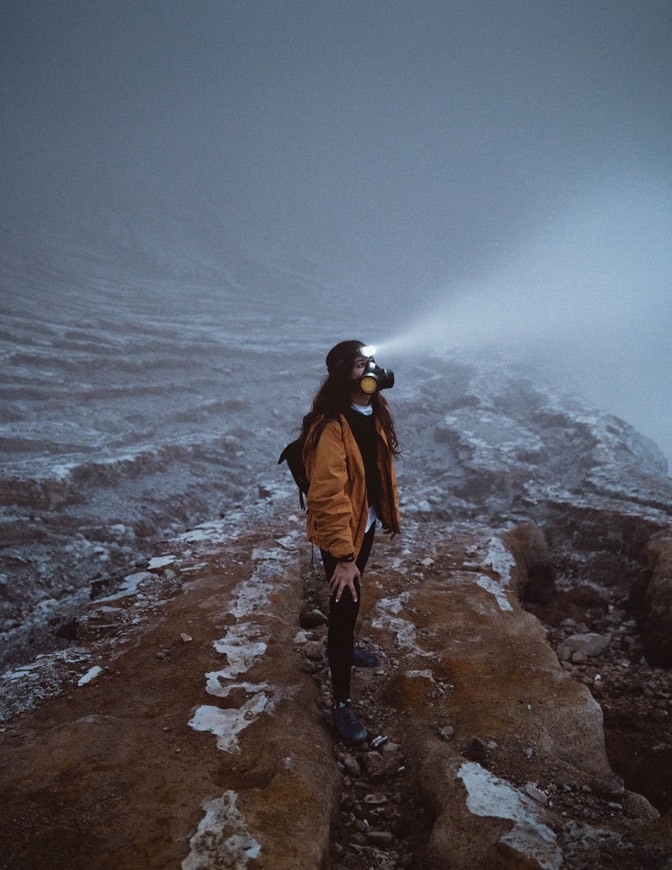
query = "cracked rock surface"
x=204 y=740
x=164 y=696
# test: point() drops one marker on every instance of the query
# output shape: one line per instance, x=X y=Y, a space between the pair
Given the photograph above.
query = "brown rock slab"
x=112 y=776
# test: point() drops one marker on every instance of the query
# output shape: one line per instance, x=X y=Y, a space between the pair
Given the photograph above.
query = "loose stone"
x=352 y=766
x=314 y=649
x=379 y=838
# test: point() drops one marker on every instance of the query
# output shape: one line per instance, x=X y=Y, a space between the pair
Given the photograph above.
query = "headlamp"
x=343 y=356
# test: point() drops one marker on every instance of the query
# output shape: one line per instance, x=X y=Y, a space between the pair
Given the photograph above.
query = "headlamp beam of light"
x=368 y=350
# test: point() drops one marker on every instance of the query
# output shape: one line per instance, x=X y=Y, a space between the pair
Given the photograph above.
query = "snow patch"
x=198 y=566
x=403 y=630
x=290 y=542
x=254 y=594
x=499 y=559
x=425 y=674
x=227 y=724
x=393 y=605
x=36 y=669
x=494 y=588
x=130 y=587
x=239 y=649
x=495 y=556
x=214 y=685
x=160 y=562
x=222 y=838
x=489 y=796
x=213 y=533
x=90 y=675
x=242 y=644
x=23 y=673
x=274 y=554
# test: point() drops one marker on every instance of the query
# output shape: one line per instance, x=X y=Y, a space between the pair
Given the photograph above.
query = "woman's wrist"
x=349 y=558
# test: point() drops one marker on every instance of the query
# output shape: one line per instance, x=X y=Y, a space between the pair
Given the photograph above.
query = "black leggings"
x=342 y=620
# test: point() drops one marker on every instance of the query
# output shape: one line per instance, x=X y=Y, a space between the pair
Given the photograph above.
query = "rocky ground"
x=167 y=704
x=185 y=723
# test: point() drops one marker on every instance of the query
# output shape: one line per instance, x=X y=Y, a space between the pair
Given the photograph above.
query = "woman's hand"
x=344 y=577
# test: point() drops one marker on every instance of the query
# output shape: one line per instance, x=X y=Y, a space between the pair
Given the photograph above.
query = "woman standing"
x=349 y=444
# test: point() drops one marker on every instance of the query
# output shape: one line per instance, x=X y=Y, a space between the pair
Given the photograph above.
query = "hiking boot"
x=361 y=658
x=347 y=724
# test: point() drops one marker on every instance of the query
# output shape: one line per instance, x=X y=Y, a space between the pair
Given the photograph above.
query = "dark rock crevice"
x=608 y=618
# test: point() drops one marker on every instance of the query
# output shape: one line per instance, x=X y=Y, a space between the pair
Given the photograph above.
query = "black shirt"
x=363 y=428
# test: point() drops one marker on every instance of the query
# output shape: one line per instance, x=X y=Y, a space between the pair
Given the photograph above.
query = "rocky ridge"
x=522 y=624
x=181 y=733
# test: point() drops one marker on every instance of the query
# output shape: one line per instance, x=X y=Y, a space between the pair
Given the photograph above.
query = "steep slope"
x=186 y=730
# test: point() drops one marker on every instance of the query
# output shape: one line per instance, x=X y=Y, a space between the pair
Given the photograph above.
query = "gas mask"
x=374 y=377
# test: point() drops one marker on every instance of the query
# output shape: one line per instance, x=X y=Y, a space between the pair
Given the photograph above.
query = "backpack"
x=293 y=456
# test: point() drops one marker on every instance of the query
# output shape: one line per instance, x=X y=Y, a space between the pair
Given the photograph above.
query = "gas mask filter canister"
x=374 y=377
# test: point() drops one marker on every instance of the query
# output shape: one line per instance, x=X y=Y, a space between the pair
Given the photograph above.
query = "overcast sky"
x=434 y=154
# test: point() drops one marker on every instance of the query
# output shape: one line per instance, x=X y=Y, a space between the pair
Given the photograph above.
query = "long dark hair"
x=334 y=397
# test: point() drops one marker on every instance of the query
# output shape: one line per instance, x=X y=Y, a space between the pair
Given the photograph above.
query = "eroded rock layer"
x=192 y=729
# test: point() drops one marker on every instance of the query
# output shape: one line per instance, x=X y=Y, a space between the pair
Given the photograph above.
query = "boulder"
x=533 y=576
x=482 y=820
x=657 y=628
x=583 y=645
x=471 y=655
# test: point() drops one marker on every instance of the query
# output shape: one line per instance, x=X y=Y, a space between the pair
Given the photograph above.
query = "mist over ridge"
x=197 y=200
x=453 y=174
x=585 y=302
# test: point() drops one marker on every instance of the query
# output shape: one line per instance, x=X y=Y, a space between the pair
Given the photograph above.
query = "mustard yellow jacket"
x=336 y=500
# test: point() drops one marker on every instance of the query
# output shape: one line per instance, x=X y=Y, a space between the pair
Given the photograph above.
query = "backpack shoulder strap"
x=293 y=456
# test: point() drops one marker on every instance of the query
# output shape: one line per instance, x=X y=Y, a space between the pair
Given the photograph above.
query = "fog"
x=586 y=300
x=438 y=174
